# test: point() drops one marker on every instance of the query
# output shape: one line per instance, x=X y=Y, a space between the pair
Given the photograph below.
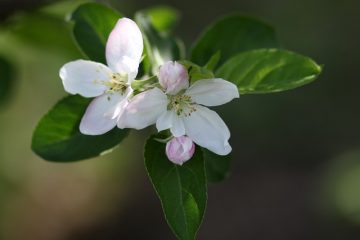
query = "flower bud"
x=173 y=77
x=180 y=149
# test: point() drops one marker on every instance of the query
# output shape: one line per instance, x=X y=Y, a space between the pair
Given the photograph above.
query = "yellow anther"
x=182 y=104
x=117 y=83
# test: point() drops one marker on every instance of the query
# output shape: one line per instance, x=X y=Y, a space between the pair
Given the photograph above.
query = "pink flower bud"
x=180 y=149
x=173 y=77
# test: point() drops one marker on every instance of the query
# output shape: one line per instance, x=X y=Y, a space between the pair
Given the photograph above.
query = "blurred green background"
x=296 y=166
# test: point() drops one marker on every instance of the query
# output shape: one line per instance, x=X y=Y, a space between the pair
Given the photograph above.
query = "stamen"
x=117 y=83
x=182 y=104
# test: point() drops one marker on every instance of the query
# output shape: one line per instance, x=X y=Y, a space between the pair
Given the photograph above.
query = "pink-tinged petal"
x=173 y=77
x=144 y=109
x=208 y=130
x=180 y=149
x=124 y=48
x=212 y=92
x=100 y=116
x=85 y=78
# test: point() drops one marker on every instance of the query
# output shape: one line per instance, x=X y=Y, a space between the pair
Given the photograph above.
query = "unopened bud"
x=173 y=77
x=180 y=149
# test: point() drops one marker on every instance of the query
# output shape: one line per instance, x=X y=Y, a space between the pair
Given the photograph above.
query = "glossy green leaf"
x=7 y=77
x=217 y=167
x=57 y=136
x=182 y=189
x=93 y=23
x=268 y=70
x=159 y=48
x=163 y=18
x=232 y=35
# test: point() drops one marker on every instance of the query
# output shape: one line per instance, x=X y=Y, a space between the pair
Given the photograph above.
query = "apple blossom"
x=184 y=111
x=110 y=85
x=180 y=149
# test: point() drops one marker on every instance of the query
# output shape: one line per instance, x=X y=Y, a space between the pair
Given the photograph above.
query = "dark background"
x=296 y=165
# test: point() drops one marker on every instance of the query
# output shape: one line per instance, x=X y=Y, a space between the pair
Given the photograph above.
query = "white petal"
x=212 y=92
x=208 y=130
x=120 y=108
x=124 y=48
x=165 y=120
x=177 y=129
x=85 y=77
x=100 y=116
x=144 y=109
x=169 y=120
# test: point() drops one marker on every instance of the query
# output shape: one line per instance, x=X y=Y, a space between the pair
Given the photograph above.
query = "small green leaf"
x=196 y=72
x=93 y=23
x=57 y=136
x=7 y=76
x=182 y=189
x=268 y=70
x=199 y=73
x=217 y=167
x=160 y=48
x=163 y=18
x=213 y=61
x=231 y=35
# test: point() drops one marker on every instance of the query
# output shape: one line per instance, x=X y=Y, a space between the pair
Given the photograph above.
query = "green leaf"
x=182 y=189
x=7 y=76
x=196 y=72
x=213 y=61
x=163 y=18
x=199 y=73
x=217 y=167
x=30 y=29
x=268 y=70
x=93 y=23
x=57 y=136
x=159 y=48
x=231 y=35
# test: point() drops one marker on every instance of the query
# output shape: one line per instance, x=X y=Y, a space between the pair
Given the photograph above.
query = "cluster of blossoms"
x=171 y=104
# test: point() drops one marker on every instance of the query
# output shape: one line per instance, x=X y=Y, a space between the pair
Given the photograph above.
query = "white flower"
x=184 y=112
x=180 y=149
x=110 y=85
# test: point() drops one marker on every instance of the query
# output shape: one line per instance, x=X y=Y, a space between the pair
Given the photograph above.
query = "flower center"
x=182 y=104
x=117 y=83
